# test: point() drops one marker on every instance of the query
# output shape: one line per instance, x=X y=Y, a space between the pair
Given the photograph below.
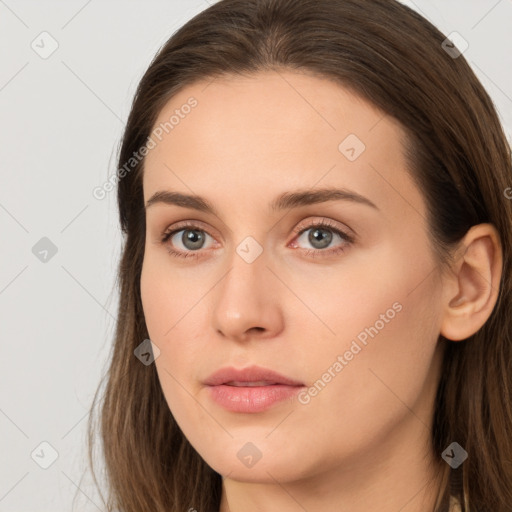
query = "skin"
x=363 y=442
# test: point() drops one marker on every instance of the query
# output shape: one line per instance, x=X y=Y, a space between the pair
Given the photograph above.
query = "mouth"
x=251 y=376
x=250 y=390
x=250 y=384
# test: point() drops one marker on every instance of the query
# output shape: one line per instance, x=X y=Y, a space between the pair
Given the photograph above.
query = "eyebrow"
x=287 y=200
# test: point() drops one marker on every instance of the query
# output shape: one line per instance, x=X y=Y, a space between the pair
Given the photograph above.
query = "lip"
x=250 y=374
x=226 y=387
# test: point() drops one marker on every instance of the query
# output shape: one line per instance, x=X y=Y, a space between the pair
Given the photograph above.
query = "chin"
x=267 y=469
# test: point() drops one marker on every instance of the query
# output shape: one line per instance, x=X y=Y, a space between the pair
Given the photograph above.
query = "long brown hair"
x=456 y=151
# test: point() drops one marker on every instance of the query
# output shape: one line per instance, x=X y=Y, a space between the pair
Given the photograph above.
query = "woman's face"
x=348 y=312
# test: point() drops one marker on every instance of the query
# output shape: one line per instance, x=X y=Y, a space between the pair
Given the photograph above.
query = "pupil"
x=192 y=239
x=323 y=242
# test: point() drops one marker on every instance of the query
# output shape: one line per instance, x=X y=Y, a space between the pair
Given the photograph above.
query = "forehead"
x=282 y=107
x=276 y=128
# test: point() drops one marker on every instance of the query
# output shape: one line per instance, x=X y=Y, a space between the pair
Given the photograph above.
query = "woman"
x=315 y=289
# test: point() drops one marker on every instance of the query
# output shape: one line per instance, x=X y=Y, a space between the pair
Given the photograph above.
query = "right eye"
x=190 y=237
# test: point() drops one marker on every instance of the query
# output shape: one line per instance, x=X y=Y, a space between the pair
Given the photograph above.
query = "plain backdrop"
x=67 y=76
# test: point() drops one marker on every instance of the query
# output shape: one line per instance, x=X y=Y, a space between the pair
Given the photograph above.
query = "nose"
x=247 y=301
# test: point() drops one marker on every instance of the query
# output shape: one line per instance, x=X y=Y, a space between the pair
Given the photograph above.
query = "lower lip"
x=251 y=398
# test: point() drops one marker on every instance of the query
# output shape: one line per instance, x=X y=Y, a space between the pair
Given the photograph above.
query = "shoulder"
x=454 y=504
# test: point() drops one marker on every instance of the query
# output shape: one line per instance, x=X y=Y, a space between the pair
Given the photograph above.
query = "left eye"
x=320 y=236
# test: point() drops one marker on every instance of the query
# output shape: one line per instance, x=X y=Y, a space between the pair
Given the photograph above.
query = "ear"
x=471 y=289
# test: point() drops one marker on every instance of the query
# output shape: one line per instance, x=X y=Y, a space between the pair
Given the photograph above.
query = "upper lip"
x=250 y=374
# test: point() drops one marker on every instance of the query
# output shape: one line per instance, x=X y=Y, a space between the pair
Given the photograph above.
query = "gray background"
x=61 y=119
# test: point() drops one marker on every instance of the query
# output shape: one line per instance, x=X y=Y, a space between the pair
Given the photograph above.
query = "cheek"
x=169 y=299
x=172 y=305
x=386 y=321
x=363 y=293
x=385 y=383
x=164 y=304
x=169 y=308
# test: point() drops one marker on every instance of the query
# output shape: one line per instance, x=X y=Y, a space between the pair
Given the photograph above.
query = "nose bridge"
x=246 y=270
x=244 y=299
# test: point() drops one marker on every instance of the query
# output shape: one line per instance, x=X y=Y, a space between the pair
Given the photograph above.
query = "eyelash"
x=167 y=235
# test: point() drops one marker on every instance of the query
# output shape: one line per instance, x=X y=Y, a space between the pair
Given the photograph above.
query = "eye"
x=320 y=235
x=189 y=236
x=188 y=240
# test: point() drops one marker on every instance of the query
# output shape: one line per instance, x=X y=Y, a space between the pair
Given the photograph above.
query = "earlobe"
x=472 y=289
